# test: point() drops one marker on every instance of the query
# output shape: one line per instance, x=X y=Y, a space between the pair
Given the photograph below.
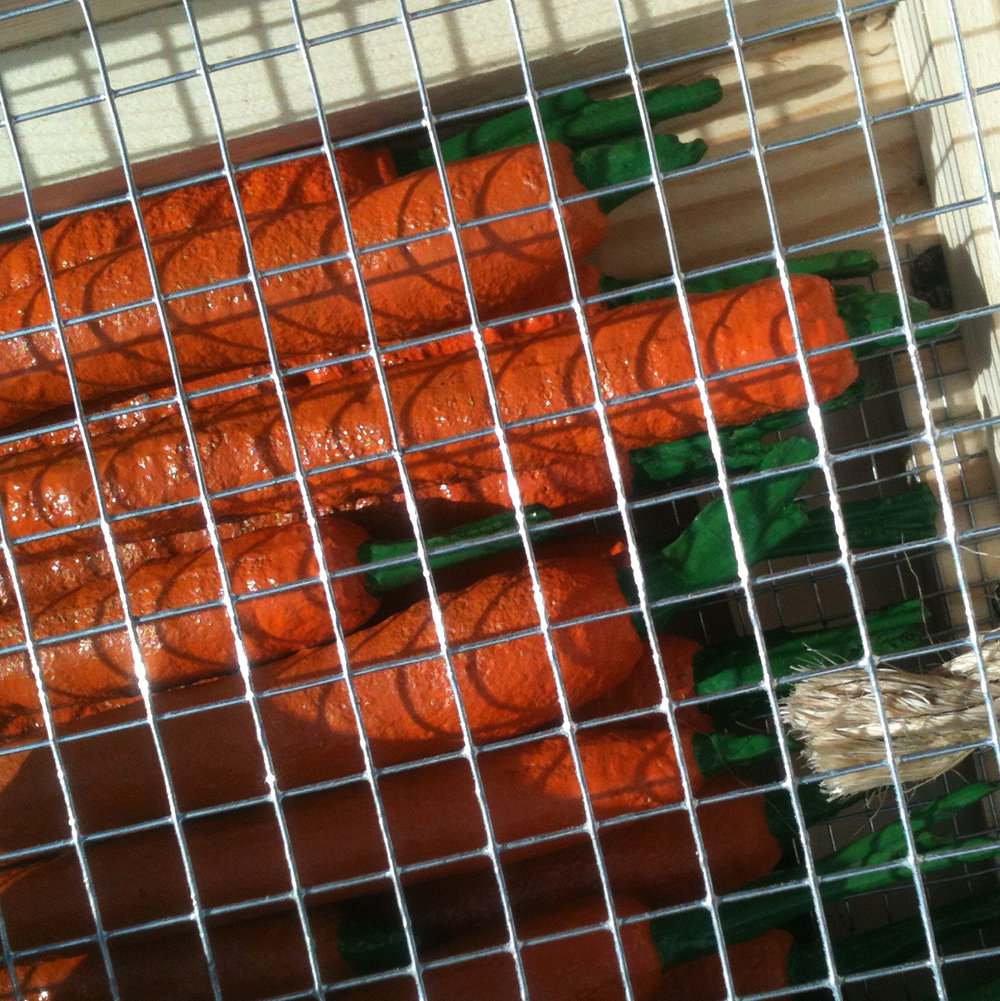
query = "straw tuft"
x=836 y=718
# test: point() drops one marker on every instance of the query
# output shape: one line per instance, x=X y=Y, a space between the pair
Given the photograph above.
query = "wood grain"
x=932 y=67
x=801 y=86
x=23 y=29
x=363 y=67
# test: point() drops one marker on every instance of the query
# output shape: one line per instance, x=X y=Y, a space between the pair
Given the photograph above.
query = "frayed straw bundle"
x=835 y=717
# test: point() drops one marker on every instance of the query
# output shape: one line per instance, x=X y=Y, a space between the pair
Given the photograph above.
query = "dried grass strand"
x=835 y=717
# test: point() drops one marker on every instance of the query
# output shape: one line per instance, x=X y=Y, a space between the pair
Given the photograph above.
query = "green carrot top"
x=400 y=566
x=703 y=555
x=571 y=117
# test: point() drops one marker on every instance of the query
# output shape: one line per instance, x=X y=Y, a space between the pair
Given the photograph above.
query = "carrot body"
x=413 y=288
x=531 y=790
x=758 y=966
x=82 y=237
x=641 y=689
x=266 y=958
x=123 y=419
x=651 y=857
x=408 y=711
x=87 y=236
x=560 y=463
x=48 y=571
x=589 y=282
x=578 y=968
x=126 y=419
x=191 y=646
x=255 y=959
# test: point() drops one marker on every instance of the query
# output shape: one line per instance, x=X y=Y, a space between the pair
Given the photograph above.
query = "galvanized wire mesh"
x=858 y=458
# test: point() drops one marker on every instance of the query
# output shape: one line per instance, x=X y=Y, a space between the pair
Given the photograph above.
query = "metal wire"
x=946 y=508
x=846 y=566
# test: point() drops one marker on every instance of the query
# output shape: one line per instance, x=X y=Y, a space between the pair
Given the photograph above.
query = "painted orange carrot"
x=409 y=711
x=47 y=570
x=585 y=968
x=83 y=237
x=405 y=697
x=531 y=790
x=580 y=967
x=571 y=117
x=413 y=287
x=641 y=689
x=652 y=857
x=257 y=958
x=266 y=957
x=561 y=462
x=83 y=673
x=191 y=646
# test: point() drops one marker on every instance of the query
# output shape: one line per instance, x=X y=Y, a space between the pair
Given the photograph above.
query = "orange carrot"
x=49 y=570
x=254 y=959
x=581 y=967
x=560 y=462
x=123 y=419
x=652 y=857
x=589 y=281
x=191 y=646
x=641 y=689
x=265 y=957
x=408 y=711
x=83 y=237
x=584 y=969
x=531 y=790
x=414 y=287
x=85 y=673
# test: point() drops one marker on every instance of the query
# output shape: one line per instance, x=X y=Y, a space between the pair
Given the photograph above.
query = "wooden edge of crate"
x=951 y=160
x=932 y=69
x=266 y=105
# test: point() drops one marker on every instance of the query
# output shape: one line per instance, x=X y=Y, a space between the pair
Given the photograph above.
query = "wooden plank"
x=365 y=76
x=930 y=63
x=801 y=87
x=23 y=29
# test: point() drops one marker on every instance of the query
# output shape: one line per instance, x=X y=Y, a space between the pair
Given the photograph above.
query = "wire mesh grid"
x=871 y=455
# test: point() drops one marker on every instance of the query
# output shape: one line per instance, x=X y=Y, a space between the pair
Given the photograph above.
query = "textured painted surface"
x=189 y=647
x=531 y=789
x=87 y=236
x=254 y=959
x=652 y=857
x=414 y=288
x=574 y=968
x=641 y=689
x=560 y=462
x=408 y=711
x=49 y=569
